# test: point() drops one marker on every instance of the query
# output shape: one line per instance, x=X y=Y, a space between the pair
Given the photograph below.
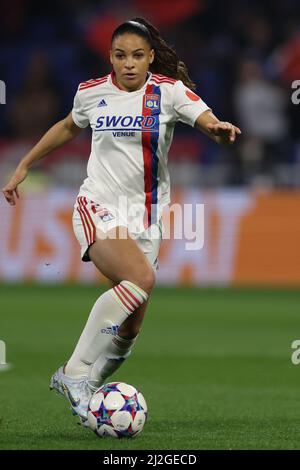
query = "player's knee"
x=146 y=280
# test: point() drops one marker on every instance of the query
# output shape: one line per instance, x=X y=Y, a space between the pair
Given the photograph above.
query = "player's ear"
x=110 y=56
x=151 y=56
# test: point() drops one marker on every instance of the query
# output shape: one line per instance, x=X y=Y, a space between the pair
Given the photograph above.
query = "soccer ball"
x=117 y=409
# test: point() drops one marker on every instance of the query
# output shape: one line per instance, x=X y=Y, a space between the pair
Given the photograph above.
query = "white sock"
x=108 y=313
x=116 y=352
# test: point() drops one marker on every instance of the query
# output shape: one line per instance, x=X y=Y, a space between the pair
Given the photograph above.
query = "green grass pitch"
x=213 y=364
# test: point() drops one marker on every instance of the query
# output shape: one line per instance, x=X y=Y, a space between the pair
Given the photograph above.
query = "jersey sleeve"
x=187 y=105
x=79 y=115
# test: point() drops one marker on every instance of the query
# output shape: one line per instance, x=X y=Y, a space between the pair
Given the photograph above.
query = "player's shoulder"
x=159 y=79
x=93 y=83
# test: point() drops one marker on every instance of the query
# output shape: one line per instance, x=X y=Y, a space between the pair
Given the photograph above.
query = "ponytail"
x=166 y=61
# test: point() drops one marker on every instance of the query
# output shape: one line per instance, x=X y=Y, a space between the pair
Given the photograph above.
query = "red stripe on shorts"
x=93 y=226
x=82 y=216
x=85 y=214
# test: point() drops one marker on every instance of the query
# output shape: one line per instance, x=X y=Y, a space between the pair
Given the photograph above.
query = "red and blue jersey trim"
x=159 y=79
x=93 y=82
x=151 y=161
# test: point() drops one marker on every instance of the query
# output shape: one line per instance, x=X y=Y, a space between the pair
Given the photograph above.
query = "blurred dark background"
x=243 y=56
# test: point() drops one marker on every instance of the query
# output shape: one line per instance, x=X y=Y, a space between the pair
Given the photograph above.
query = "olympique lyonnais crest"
x=152 y=102
x=104 y=214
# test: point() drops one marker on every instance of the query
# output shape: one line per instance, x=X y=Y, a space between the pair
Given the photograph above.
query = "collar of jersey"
x=112 y=81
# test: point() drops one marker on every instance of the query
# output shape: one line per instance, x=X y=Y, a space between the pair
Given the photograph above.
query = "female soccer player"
x=132 y=112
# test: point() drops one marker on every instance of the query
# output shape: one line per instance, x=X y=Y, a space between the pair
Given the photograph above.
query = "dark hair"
x=166 y=61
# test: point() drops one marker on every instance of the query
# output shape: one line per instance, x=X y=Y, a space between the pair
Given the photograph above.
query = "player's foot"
x=78 y=392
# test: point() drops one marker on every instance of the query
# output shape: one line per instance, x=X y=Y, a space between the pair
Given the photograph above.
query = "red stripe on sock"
x=131 y=295
x=122 y=299
x=126 y=298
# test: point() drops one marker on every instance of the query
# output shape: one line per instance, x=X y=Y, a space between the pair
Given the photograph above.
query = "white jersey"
x=132 y=134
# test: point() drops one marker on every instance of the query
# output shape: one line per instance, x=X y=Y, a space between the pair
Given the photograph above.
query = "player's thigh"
x=119 y=258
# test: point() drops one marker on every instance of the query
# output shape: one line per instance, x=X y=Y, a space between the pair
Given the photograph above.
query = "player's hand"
x=225 y=131
x=10 y=190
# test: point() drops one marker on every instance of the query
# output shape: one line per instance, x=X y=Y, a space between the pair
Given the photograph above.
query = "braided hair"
x=166 y=61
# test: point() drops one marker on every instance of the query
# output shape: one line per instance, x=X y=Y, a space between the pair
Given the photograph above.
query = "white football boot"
x=77 y=391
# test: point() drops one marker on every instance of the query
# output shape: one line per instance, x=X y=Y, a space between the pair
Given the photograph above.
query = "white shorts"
x=88 y=217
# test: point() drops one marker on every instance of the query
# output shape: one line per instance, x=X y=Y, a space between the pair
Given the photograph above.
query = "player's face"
x=131 y=56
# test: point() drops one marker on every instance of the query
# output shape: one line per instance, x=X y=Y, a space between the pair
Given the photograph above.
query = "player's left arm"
x=224 y=133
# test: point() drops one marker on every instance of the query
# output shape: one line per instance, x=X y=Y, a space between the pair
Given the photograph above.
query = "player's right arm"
x=59 y=134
